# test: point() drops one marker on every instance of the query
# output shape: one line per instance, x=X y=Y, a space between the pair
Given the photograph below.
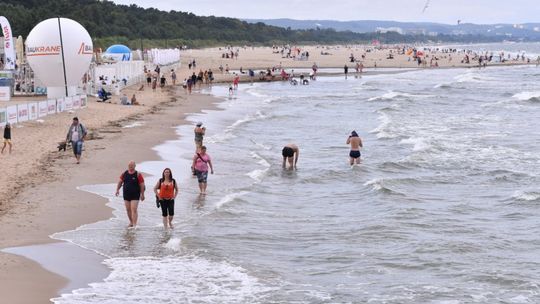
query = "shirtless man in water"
x=356 y=143
x=290 y=153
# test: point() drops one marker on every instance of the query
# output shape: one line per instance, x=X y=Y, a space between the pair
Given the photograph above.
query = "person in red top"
x=133 y=191
x=166 y=191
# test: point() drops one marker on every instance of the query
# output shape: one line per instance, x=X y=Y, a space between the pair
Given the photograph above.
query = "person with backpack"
x=133 y=186
x=201 y=163
x=166 y=191
x=76 y=134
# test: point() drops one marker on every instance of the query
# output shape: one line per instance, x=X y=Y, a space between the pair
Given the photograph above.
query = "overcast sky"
x=442 y=11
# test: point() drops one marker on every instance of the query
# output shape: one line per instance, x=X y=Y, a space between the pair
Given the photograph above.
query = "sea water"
x=444 y=207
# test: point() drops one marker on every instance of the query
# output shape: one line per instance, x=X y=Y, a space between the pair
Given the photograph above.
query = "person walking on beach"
x=133 y=186
x=7 y=137
x=290 y=154
x=76 y=134
x=166 y=191
x=345 y=70
x=356 y=144
x=201 y=163
x=199 y=135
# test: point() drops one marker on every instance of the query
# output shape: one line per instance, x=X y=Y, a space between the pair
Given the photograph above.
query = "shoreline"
x=48 y=201
x=109 y=155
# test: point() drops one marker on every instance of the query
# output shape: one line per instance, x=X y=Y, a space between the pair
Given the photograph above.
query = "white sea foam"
x=528 y=96
x=173 y=279
x=173 y=244
x=419 y=143
x=383 y=129
x=376 y=184
x=229 y=198
x=522 y=195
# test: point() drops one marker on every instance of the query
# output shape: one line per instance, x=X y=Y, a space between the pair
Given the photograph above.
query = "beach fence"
x=122 y=74
x=38 y=109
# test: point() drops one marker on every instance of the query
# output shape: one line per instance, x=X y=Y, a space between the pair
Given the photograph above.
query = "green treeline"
x=109 y=23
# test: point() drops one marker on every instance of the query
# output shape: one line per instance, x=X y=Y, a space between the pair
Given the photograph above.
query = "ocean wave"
x=379 y=185
x=527 y=196
x=229 y=198
x=528 y=96
x=470 y=77
x=180 y=279
x=383 y=130
x=419 y=143
x=392 y=95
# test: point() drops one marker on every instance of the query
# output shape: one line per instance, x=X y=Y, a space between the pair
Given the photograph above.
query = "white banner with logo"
x=5 y=94
x=76 y=101
x=60 y=105
x=9 y=46
x=68 y=102
x=22 y=112
x=51 y=106
x=32 y=111
x=3 y=117
x=12 y=114
x=43 y=108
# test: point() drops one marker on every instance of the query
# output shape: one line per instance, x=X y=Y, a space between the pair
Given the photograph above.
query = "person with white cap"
x=199 y=134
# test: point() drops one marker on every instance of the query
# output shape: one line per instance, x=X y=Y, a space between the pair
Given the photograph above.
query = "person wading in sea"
x=356 y=143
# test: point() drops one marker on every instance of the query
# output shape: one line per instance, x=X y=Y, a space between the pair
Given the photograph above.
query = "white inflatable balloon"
x=44 y=51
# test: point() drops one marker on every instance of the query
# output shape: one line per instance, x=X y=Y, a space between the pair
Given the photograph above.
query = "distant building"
x=390 y=29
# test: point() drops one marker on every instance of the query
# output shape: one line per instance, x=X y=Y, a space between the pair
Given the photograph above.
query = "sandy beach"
x=38 y=195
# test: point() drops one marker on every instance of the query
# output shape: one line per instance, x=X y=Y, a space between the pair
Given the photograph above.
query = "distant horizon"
x=481 y=12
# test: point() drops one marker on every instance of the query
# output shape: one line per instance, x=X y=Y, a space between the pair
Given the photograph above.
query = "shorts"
x=132 y=196
x=354 y=154
x=287 y=152
x=77 y=147
x=167 y=207
x=7 y=140
x=202 y=176
x=148 y=80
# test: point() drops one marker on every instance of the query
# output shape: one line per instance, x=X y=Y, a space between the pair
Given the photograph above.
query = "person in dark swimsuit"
x=133 y=186
x=290 y=154
x=356 y=144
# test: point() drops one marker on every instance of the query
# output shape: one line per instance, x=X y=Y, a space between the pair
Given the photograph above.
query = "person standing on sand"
x=133 y=186
x=7 y=137
x=166 y=191
x=201 y=163
x=290 y=154
x=356 y=143
x=173 y=77
x=76 y=134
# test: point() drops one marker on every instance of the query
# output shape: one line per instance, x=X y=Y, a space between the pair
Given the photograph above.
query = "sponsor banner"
x=43 y=108
x=60 y=105
x=12 y=114
x=84 y=101
x=68 y=102
x=32 y=111
x=3 y=117
x=5 y=94
x=51 y=106
x=9 y=46
x=22 y=112
x=76 y=101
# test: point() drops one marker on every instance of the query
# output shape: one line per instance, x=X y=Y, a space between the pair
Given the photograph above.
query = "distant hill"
x=109 y=23
x=526 y=31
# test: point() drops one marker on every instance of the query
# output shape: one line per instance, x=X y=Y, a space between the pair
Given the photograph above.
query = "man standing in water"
x=356 y=143
x=290 y=154
x=133 y=191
